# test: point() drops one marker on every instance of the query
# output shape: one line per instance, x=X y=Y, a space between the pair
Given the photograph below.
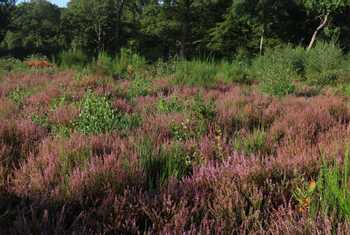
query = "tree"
x=249 y=25
x=6 y=8
x=324 y=9
x=34 y=26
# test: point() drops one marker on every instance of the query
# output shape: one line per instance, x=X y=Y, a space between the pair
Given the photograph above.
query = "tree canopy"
x=167 y=28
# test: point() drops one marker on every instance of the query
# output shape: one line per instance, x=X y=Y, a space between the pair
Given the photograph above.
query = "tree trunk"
x=261 y=44
x=119 y=12
x=321 y=26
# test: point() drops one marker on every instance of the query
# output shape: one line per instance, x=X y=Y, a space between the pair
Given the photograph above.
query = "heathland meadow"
x=119 y=145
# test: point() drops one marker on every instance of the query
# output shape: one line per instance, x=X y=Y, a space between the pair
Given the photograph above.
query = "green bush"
x=139 y=87
x=233 y=72
x=128 y=63
x=96 y=115
x=199 y=73
x=18 y=95
x=11 y=65
x=169 y=106
x=104 y=64
x=76 y=59
x=277 y=69
x=324 y=62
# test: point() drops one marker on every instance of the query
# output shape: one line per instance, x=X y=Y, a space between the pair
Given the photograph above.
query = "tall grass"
x=332 y=196
x=73 y=59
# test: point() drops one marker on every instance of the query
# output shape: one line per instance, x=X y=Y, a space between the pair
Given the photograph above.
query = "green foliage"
x=323 y=64
x=233 y=72
x=200 y=73
x=104 y=64
x=41 y=120
x=11 y=65
x=128 y=63
x=181 y=131
x=18 y=95
x=73 y=59
x=35 y=26
x=332 y=193
x=277 y=69
x=96 y=116
x=203 y=110
x=253 y=143
x=161 y=164
x=139 y=87
x=171 y=105
x=325 y=6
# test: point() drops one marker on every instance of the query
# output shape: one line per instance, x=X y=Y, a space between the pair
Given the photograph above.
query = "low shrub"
x=128 y=63
x=96 y=115
x=173 y=104
x=195 y=73
x=139 y=87
x=73 y=59
x=11 y=65
x=233 y=72
x=277 y=69
x=323 y=64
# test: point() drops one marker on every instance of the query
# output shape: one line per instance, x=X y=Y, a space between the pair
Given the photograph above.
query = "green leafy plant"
x=97 y=115
x=18 y=95
x=171 y=105
x=323 y=64
x=277 y=71
x=139 y=87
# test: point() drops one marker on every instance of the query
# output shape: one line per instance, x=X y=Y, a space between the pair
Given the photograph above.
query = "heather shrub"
x=73 y=59
x=199 y=73
x=323 y=64
x=8 y=108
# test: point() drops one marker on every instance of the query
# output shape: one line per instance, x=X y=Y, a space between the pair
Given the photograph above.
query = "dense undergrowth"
x=119 y=146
